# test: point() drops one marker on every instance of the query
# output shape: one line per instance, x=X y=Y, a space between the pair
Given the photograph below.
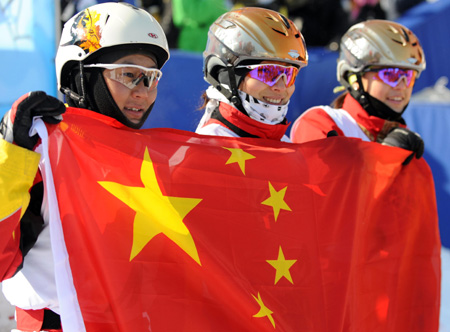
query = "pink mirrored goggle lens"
x=393 y=76
x=270 y=74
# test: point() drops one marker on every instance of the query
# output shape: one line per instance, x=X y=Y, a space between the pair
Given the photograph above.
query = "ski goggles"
x=271 y=73
x=393 y=76
x=130 y=75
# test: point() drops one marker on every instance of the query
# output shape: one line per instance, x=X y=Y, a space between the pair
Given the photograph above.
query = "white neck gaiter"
x=262 y=111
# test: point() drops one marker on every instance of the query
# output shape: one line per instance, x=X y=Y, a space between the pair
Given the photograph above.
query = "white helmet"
x=108 y=27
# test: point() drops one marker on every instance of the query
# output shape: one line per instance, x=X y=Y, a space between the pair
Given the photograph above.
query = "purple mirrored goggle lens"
x=271 y=73
x=393 y=76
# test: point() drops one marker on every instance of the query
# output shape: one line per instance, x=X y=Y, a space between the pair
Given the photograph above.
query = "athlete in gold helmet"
x=251 y=60
x=378 y=64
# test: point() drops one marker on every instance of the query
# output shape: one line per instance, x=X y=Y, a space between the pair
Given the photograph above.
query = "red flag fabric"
x=167 y=230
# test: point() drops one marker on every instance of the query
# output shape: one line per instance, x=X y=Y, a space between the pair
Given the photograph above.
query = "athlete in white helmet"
x=109 y=62
x=378 y=64
x=251 y=60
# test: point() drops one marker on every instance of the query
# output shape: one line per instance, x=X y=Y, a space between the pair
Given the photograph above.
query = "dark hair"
x=203 y=101
x=339 y=100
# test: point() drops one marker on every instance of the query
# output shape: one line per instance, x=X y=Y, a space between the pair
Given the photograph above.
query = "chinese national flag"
x=167 y=230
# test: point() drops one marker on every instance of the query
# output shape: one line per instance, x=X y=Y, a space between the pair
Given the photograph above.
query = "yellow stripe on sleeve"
x=18 y=167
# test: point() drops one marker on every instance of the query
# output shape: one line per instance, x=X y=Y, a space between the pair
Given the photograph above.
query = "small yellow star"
x=282 y=266
x=155 y=213
x=263 y=311
x=239 y=156
x=276 y=200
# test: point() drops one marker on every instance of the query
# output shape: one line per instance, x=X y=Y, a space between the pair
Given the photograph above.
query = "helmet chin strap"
x=74 y=99
x=231 y=92
x=373 y=106
x=234 y=89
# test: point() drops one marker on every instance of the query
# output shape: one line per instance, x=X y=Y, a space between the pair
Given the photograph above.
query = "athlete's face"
x=134 y=102
x=278 y=94
x=397 y=98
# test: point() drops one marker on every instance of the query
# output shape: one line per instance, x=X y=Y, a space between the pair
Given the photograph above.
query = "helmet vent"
x=405 y=34
x=283 y=33
x=107 y=18
x=286 y=22
x=398 y=41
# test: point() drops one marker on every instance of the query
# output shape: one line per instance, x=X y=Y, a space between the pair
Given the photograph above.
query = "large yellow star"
x=155 y=213
x=263 y=311
x=276 y=200
x=239 y=156
x=282 y=266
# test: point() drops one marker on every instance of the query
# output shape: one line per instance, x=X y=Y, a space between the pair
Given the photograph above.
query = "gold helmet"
x=250 y=34
x=378 y=43
x=256 y=33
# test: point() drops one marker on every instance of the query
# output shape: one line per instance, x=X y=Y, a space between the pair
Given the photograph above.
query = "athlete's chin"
x=135 y=117
x=398 y=108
